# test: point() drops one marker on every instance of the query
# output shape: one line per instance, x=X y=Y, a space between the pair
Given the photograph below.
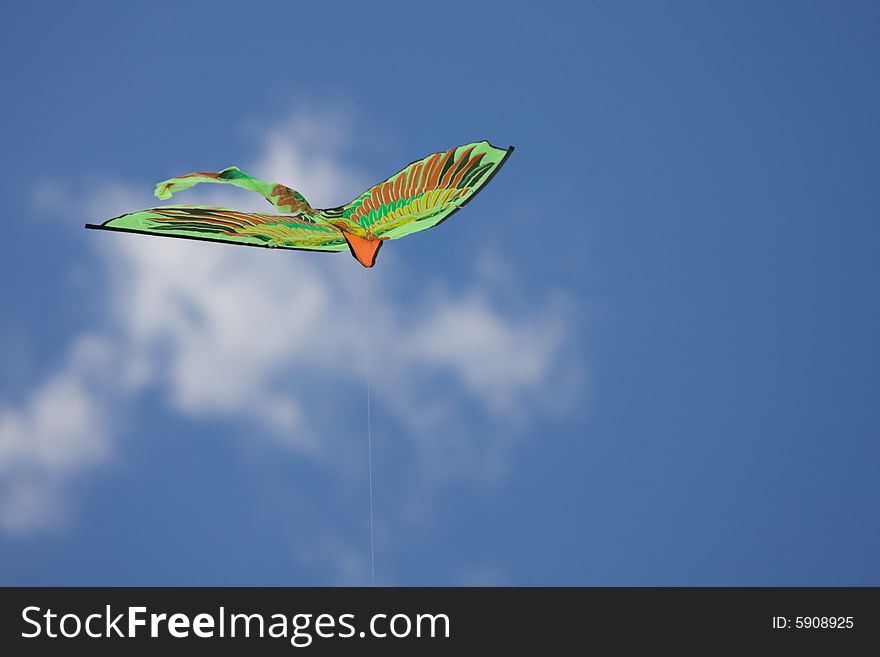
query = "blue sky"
x=646 y=354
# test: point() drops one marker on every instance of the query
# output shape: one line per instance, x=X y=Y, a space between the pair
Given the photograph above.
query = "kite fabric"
x=420 y=196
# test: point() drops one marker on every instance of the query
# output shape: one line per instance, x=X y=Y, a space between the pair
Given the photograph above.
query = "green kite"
x=420 y=196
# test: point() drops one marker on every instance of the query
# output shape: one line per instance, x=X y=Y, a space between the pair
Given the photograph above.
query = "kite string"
x=370 y=439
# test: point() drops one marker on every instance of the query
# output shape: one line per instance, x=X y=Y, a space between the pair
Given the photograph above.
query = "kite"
x=423 y=194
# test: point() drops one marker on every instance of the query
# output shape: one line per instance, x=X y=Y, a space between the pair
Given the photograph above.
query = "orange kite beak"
x=365 y=250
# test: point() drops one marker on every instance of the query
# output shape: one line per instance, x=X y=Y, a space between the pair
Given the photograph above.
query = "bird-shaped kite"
x=420 y=196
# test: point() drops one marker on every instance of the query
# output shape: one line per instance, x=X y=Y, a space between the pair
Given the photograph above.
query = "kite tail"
x=283 y=198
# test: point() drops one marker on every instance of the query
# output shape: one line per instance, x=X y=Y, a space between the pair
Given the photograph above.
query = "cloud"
x=61 y=431
x=309 y=149
x=280 y=340
x=496 y=357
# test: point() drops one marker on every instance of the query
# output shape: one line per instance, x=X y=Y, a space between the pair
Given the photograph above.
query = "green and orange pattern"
x=420 y=196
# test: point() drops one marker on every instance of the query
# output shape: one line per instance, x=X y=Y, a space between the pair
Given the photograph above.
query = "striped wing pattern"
x=224 y=225
x=424 y=193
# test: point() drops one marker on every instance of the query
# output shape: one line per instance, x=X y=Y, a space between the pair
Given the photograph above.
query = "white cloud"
x=270 y=336
x=306 y=152
x=495 y=356
x=60 y=431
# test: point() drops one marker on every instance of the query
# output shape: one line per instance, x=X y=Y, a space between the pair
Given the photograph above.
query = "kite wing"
x=424 y=193
x=224 y=225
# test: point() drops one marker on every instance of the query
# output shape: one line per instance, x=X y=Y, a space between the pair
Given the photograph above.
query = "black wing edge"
x=201 y=239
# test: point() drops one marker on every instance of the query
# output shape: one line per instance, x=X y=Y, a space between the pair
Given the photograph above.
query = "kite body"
x=420 y=196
